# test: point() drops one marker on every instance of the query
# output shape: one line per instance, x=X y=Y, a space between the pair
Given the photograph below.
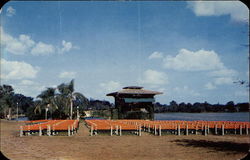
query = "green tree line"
x=201 y=107
x=61 y=102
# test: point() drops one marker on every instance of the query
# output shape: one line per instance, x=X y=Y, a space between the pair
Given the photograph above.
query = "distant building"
x=134 y=102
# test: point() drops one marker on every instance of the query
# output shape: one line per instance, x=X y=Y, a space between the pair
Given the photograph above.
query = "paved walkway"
x=83 y=130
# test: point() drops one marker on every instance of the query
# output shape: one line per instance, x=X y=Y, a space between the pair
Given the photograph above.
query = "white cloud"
x=186 y=91
x=156 y=55
x=28 y=88
x=154 y=78
x=26 y=82
x=17 y=46
x=17 y=70
x=210 y=86
x=42 y=49
x=67 y=74
x=223 y=76
x=110 y=86
x=11 y=11
x=223 y=72
x=237 y=10
x=223 y=80
x=244 y=93
x=66 y=47
x=25 y=45
x=201 y=60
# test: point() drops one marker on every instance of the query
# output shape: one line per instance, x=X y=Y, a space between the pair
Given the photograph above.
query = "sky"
x=192 y=51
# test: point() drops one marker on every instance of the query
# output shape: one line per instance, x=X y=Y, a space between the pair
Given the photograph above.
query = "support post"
x=21 y=131
x=53 y=130
x=68 y=130
x=48 y=130
x=116 y=130
x=40 y=130
x=160 y=130
x=222 y=130
x=246 y=129
x=120 y=130
x=91 y=130
x=205 y=130
x=155 y=129
x=187 y=129
x=196 y=130
x=139 y=130
x=149 y=128
x=215 y=129
x=28 y=130
x=202 y=126
x=179 y=130
x=235 y=130
x=240 y=129
x=208 y=129
x=111 y=130
x=72 y=130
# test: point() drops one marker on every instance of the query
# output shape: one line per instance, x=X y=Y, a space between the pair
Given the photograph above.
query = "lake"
x=238 y=116
x=21 y=119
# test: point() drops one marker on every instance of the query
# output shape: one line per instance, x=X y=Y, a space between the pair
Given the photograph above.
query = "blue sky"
x=191 y=51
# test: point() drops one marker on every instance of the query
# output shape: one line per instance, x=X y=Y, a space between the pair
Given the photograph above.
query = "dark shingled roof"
x=134 y=90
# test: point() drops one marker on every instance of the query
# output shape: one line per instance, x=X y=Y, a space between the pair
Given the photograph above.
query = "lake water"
x=22 y=119
x=239 y=116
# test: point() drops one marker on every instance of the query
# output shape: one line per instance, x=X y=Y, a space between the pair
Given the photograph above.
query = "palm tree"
x=47 y=101
x=68 y=95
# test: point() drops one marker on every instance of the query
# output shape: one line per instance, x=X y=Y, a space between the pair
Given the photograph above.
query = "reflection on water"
x=21 y=119
x=239 y=116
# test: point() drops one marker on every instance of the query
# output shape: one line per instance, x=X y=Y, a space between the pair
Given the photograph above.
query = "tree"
x=174 y=106
x=68 y=96
x=6 y=100
x=230 y=106
x=47 y=101
x=182 y=107
x=22 y=102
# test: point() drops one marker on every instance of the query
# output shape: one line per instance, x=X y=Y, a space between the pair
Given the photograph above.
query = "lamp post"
x=16 y=110
x=77 y=112
x=71 y=105
x=46 y=110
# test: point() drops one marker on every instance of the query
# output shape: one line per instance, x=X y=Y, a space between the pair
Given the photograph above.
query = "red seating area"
x=50 y=126
x=117 y=127
x=176 y=127
x=108 y=124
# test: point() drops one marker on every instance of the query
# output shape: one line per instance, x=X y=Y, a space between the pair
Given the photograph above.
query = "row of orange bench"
x=114 y=126
x=172 y=127
x=197 y=124
x=196 y=127
x=51 y=127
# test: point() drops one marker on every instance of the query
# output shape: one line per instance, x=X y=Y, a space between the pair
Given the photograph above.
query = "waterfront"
x=237 y=116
